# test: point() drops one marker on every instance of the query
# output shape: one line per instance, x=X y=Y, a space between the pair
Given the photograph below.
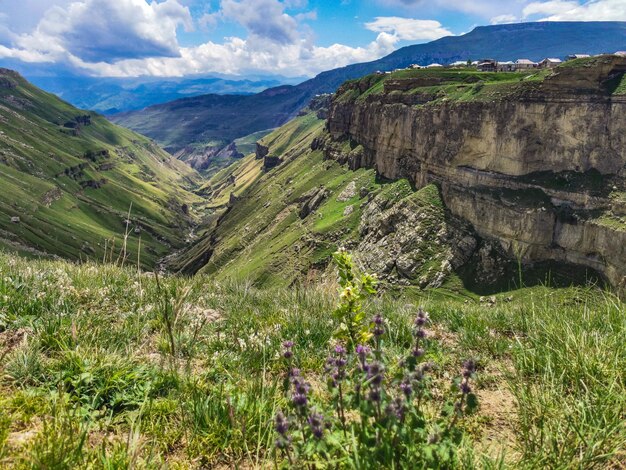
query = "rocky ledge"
x=538 y=168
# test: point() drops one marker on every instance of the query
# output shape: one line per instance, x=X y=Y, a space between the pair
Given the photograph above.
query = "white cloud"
x=408 y=28
x=548 y=8
x=132 y=37
x=504 y=19
x=594 y=10
x=102 y=30
x=240 y=56
x=263 y=18
x=139 y=37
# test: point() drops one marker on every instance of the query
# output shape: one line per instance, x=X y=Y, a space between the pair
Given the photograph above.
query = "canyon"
x=538 y=167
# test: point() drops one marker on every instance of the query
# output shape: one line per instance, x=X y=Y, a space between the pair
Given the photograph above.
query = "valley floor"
x=108 y=367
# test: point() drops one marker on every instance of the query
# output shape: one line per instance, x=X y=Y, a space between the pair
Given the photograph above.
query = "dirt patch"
x=51 y=196
x=11 y=340
x=20 y=439
x=498 y=410
x=440 y=334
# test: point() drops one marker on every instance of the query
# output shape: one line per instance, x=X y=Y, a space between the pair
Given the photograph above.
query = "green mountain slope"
x=273 y=227
x=69 y=178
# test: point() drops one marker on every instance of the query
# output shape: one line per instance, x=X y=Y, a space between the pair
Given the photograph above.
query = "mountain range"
x=192 y=124
x=115 y=95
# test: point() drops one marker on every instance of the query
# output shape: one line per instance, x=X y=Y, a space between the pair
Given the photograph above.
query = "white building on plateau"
x=523 y=64
x=507 y=66
x=549 y=63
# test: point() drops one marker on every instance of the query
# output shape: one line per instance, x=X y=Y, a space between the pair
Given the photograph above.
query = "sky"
x=292 y=38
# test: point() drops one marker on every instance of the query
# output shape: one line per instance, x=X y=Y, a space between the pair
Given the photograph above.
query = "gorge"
x=538 y=166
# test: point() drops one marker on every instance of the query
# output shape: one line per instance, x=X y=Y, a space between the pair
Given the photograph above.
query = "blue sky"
x=242 y=37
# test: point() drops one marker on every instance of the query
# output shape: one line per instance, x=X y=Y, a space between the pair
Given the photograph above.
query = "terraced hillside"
x=69 y=178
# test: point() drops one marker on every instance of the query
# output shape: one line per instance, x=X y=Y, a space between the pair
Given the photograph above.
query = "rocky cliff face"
x=538 y=168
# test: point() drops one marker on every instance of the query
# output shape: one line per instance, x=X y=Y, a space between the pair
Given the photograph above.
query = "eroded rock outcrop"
x=311 y=200
x=261 y=151
x=540 y=171
x=410 y=241
x=201 y=159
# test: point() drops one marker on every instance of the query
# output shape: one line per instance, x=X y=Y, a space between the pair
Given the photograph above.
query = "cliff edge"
x=534 y=161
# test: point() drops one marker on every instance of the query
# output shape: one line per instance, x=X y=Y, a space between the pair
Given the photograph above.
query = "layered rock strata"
x=540 y=170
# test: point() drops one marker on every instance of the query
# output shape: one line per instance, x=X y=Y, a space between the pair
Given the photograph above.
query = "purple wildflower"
x=469 y=367
x=465 y=386
x=336 y=366
x=300 y=400
x=406 y=388
x=375 y=377
x=417 y=352
x=362 y=353
x=379 y=329
x=288 y=351
x=421 y=318
x=317 y=424
x=375 y=373
x=281 y=424
x=299 y=396
x=420 y=321
x=397 y=408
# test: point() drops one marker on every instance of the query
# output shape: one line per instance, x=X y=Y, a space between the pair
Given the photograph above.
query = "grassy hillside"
x=89 y=378
x=71 y=176
x=439 y=85
x=263 y=238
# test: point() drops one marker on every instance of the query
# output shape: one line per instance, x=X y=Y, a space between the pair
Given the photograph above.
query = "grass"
x=247 y=144
x=88 y=379
x=446 y=85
